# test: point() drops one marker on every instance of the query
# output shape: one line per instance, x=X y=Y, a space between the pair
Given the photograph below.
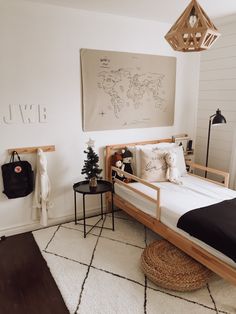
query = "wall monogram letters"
x=27 y=114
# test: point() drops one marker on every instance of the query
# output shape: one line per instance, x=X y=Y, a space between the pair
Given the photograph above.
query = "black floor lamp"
x=215 y=119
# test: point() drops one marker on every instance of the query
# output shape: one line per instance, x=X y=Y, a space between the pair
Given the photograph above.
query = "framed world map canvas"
x=127 y=90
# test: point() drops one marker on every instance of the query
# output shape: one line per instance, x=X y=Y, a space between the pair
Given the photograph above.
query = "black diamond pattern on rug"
x=106 y=277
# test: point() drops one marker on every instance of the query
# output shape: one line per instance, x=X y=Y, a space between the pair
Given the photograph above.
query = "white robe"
x=42 y=191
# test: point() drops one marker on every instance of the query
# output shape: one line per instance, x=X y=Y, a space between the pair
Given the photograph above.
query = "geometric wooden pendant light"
x=193 y=31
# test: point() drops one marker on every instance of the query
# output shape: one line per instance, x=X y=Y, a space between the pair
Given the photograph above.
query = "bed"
x=159 y=205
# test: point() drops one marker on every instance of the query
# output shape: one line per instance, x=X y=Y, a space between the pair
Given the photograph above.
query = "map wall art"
x=127 y=90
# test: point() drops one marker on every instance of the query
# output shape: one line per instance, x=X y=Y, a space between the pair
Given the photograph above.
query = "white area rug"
x=101 y=274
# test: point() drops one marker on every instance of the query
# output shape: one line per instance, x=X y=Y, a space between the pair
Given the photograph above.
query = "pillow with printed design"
x=136 y=151
x=153 y=165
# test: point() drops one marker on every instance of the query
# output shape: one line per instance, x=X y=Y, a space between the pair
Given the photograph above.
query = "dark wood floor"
x=26 y=284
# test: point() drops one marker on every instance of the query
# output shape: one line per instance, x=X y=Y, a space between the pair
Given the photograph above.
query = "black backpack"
x=18 y=177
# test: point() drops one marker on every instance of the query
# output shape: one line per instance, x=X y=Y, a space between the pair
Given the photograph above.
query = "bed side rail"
x=223 y=174
x=137 y=179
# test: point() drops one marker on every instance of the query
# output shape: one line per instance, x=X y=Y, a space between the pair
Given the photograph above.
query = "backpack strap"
x=13 y=156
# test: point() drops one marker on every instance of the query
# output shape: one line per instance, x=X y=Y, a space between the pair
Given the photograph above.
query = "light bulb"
x=192 y=20
x=192 y=17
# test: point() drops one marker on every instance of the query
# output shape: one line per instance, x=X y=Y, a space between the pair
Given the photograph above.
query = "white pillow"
x=166 y=145
x=180 y=162
x=136 y=151
x=136 y=161
x=139 y=158
x=153 y=165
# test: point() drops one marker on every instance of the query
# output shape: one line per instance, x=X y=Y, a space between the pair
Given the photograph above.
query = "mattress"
x=175 y=200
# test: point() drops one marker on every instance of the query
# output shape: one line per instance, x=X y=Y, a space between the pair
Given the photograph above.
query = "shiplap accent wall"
x=217 y=89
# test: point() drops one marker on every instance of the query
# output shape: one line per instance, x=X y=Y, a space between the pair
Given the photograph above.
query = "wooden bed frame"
x=212 y=262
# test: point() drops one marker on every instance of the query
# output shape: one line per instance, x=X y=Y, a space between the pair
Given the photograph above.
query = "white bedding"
x=175 y=200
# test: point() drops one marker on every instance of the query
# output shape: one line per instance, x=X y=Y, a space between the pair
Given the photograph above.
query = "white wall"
x=40 y=64
x=217 y=90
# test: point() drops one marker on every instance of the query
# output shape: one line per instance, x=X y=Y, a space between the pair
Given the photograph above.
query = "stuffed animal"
x=127 y=159
x=117 y=161
x=172 y=173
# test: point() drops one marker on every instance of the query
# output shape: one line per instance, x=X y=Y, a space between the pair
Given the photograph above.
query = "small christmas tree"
x=91 y=167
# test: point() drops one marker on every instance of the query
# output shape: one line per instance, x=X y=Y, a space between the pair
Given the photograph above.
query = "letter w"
x=28 y=113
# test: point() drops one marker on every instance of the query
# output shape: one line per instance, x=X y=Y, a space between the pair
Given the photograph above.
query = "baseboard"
x=36 y=225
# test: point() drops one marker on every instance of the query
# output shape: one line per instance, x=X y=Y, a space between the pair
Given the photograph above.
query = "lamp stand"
x=208 y=143
x=215 y=119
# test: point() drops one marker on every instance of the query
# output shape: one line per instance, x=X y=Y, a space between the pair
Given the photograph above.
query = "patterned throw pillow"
x=164 y=147
x=153 y=165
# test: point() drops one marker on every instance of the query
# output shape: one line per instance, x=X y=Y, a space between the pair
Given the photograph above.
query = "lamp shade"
x=218 y=118
x=193 y=31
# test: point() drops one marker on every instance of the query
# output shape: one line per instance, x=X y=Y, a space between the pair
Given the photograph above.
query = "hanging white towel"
x=42 y=192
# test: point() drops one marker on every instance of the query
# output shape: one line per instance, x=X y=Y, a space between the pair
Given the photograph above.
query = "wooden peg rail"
x=32 y=150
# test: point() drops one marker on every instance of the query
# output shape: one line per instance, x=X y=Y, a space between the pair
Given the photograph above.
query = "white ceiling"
x=159 y=10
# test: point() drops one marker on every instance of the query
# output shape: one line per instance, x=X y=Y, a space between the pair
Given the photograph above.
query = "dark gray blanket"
x=214 y=225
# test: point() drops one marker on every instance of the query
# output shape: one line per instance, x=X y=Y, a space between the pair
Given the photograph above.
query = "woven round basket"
x=170 y=268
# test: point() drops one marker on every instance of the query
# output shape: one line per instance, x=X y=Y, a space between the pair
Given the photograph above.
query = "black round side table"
x=102 y=187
